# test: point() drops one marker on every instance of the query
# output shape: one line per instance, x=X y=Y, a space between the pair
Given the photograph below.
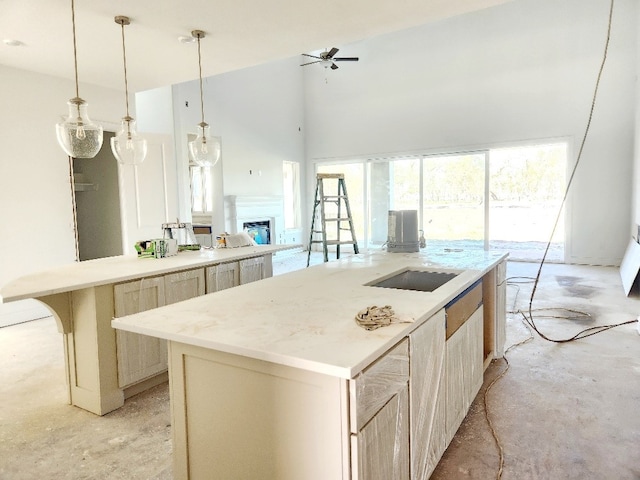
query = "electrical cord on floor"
x=587 y=332
x=494 y=434
x=528 y=320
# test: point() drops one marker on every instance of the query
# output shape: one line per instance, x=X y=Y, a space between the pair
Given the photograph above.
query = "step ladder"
x=339 y=205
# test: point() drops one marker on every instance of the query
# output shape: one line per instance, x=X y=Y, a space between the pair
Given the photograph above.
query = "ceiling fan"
x=327 y=59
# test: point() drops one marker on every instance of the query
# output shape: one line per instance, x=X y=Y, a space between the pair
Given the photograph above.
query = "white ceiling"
x=240 y=33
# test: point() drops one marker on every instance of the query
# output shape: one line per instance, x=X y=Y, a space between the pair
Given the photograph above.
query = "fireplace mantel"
x=239 y=209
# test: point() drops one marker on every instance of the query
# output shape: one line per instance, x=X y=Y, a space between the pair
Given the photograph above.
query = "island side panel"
x=501 y=308
x=92 y=353
x=235 y=417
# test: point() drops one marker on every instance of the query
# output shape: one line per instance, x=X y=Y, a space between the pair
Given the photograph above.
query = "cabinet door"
x=463 y=371
x=223 y=276
x=139 y=356
x=427 y=396
x=379 y=417
x=381 y=449
x=183 y=285
x=377 y=384
x=251 y=270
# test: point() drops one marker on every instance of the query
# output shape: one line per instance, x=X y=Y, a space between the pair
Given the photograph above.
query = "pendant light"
x=78 y=136
x=127 y=145
x=205 y=149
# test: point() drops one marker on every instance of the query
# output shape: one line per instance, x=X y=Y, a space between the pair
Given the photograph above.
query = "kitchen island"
x=103 y=367
x=275 y=380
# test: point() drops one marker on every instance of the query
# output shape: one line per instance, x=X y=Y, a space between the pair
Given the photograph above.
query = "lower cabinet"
x=245 y=418
x=379 y=418
x=380 y=449
x=427 y=395
x=464 y=371
x=252 y=270
x=232 y=274
x=223 y=276
x=140 y=356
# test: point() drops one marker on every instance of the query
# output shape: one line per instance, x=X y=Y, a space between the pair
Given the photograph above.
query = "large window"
x=506 y=198
x=291 y=194
x=201 y=189
x=355 y=182
x=527 y=186
x=393 y=185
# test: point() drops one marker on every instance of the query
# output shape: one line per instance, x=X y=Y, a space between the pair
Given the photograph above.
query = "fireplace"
x=259 y=230
x=260 y=216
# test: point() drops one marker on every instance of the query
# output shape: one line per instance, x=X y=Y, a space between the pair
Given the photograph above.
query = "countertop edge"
x=189 y=264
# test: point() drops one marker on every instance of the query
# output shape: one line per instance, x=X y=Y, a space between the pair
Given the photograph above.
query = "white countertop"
x=305 y=319
x=103 y=271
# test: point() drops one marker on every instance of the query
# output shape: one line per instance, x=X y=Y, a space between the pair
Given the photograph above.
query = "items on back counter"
x=157 y=248
x=233 y=240
x=183 y=233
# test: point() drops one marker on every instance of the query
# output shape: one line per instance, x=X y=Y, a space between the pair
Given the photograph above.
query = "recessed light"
x=186 y=39
x=12 y=43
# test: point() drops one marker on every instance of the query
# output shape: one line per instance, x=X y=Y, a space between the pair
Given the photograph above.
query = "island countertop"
x=103 y=271
x=306 y=319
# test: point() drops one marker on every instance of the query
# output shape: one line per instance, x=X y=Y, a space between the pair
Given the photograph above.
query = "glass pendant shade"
x=128 y=146
x=205 y=149
x=78 y=136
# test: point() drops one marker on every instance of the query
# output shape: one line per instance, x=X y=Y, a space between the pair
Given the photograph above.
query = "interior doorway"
x=98 y=204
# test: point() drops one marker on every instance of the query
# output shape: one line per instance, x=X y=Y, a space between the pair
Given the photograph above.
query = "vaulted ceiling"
x=240 y=33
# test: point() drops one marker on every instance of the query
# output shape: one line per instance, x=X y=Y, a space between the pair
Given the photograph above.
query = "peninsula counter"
x=275 y=380
x=103 y=367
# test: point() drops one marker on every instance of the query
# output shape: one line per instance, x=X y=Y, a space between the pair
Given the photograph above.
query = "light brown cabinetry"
x=141 y=356
x=232 y=274
x=252 y=270
x=223 y=276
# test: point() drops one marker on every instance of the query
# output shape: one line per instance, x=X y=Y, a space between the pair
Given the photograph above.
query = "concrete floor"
x=562 y=411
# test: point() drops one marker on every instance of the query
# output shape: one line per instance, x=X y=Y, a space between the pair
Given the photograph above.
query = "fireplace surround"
x=261 y=216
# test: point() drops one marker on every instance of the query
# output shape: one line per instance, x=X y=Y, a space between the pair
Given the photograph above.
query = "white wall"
x=635 y=216
x=516 y=72
x=258 y=113
x=36 y=221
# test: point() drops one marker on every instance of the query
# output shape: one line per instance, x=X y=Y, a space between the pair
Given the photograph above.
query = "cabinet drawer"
x=462 y=307
x=376 y=385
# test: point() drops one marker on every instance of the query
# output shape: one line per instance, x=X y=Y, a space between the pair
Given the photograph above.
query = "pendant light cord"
x=124 y=63
x=199 y=36
x=75 y=48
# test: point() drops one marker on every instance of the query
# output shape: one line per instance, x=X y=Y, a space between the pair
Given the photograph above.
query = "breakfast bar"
x=276 y=379
x=103 y=367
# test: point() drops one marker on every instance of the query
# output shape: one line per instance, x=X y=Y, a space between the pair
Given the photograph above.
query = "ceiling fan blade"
x=332 y=52
x=346 y=59
x=334 y=66
x=312 y=56
x=310 y=63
